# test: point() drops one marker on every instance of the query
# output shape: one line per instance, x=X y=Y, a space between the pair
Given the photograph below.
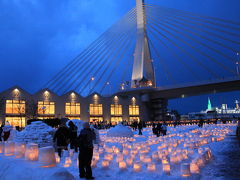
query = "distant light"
x=95 y=96
x=183 y=95
x=92 y=78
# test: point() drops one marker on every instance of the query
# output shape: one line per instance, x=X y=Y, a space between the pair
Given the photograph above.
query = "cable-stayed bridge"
x=162 y=52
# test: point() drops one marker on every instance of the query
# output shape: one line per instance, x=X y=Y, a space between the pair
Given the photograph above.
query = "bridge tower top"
x=143 y=72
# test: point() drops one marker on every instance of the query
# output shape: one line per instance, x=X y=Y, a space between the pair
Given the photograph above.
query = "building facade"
x=17 y=106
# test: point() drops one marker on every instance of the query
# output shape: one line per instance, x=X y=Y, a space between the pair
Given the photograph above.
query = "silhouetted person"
x=140 y=128
x=164 y=129
x=62 y=139
x=1 y=130
x=73 y=136
x=85 y=140
x=159 y=129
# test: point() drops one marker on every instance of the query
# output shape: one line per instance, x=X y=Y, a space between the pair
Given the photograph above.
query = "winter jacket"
x=86 y=138
x=62 y=136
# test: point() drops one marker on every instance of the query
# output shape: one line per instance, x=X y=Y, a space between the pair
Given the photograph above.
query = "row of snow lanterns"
x=186 y=168
x=30 y=151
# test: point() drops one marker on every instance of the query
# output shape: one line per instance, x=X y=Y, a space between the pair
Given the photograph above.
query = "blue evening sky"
x=39 y=37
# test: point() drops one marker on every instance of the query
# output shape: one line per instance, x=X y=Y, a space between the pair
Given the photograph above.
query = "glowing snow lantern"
x=129 y=161
x=57 y=158
x=165 y=161
x=185 y=169
x=105 y=163
x=125 y=151
x=137 y=167
x=96 y=156
x=151 y=167
x=147 y=159
x=194 y=168
x=68 y=162
x=94 y=163
x=108 y=157
x=20 y=149
x=1 y=147
x=119 y=158
x=166 y=168
x=9 y=149
x=47 y=157
x=31 y=153
x=155 y=156
x=122 y=165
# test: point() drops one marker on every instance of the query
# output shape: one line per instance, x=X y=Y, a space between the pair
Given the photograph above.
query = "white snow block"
x=47 y=157
x=20 y=149
x=31 y=153
x=9 y=148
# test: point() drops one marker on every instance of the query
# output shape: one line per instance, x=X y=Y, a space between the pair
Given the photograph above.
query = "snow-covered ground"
x=199 y=147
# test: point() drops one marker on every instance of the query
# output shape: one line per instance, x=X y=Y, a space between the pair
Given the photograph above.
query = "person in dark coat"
x=140 y=126
x=85 y=140
x=1 y=130
x=61 y=137
x=159 y=129
x=73 y=136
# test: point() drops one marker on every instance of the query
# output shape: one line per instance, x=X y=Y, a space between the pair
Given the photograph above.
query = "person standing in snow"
x=85 y=141
x=164 y=129
x=140 y=126
x=1 y=130
x=61 y=137
x=73 y=136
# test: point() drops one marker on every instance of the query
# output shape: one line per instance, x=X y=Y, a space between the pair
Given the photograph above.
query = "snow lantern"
x=96 y=156
x=47 y=157
x=67 y=162
x=129 y=161
x=125 y=151
x=165 y=161
x=147 y=159
x=94 y=163
x=108 y=157
x=9 y=148
x=105 y=163
x=166 y=168
x=155 y=156
x=194 y=167
x=1 y=147
x=20 y=149
x=137 y=167
x=31 y=153
x=185 y=169
x=119 y=158
x=57 y=158
x=122 y=165
x=151 y=167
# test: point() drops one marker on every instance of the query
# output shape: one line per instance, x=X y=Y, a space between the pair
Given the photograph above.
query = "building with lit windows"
x=17 y=106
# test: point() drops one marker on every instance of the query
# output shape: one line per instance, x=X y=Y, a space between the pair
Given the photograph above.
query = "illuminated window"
x=116 y=120
x=15 y=107
x=16 y=121
x=46 y=107
x=73 y=117
x=116 y=109
x=96 y=119
x=72 y=108
x=133 y=110
x=46 y=117
x=134 y=118
x=96 y=109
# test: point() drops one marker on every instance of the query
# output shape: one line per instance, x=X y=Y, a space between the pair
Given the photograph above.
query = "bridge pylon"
x=143 y=73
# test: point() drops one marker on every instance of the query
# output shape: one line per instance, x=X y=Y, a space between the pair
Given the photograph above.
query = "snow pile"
x=120 y=131
x=37 y=132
